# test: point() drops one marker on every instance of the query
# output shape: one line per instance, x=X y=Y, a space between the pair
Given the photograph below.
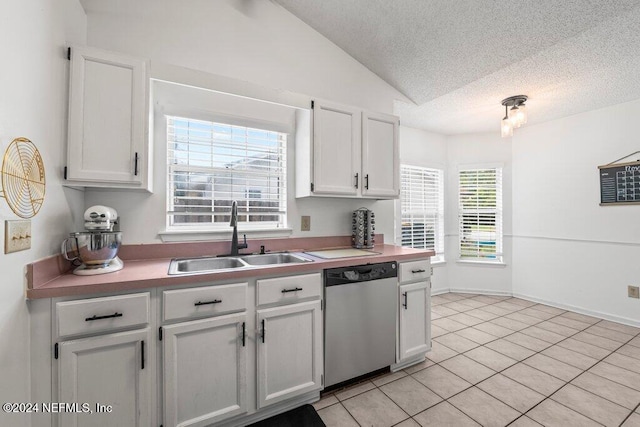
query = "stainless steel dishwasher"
x=360 y=320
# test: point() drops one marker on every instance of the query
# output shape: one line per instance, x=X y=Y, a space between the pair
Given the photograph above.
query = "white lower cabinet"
x=205 y=370
x=289 y=351
x=189 y=356
x=414 y=312
x=415 y=300
x=112 y=370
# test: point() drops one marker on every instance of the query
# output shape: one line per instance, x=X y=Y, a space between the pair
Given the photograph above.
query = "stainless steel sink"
x=204 y=265
x=274 y=259
x=214 y=264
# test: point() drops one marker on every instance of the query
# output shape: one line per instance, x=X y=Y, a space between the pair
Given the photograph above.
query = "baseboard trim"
x=270 y=411
x=592 y=313
x=480 y=291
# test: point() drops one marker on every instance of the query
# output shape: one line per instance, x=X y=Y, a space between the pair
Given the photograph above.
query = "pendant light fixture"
x=506 y=125
x=514 y=117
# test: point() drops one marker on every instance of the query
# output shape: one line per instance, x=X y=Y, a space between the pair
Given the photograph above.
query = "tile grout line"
x=364 y=381
x=535 y=353
x=496 y=372
x=585 y=370
x=539 y=352
x=443 y=399
x=598 y=360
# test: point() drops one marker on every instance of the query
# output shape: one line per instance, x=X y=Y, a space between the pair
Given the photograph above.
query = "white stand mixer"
x=96 y=247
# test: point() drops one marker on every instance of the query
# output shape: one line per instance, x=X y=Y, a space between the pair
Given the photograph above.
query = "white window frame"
x=433 y=214
x=197 y=230
x=497 y=210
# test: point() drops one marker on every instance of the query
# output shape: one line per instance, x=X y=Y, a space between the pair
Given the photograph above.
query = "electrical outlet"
x=634 y=292
x=17 y=236
x=305 y=223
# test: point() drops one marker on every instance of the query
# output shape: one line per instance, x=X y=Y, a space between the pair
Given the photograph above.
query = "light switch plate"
x=17 y=235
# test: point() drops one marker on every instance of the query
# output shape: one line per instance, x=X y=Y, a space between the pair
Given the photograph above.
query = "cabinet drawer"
x=415 y=270
x=204 y=301
x=291 y=288
x=93 y=315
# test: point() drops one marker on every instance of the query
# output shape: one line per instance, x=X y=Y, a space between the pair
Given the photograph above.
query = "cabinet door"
x=290 y=360
x=336 y=150
x=380 y=156
x=107 y=104
x=415 y=319
x=111 y=369
x=205 y=370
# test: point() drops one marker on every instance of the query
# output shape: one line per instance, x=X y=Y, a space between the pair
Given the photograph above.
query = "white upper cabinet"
x=336 y=149
x=107 y=144
x=380 y=155
x=348 y=153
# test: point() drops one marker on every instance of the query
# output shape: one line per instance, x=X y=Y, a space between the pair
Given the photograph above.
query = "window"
x=212 y=164
x=422 y=208
x=480 y=214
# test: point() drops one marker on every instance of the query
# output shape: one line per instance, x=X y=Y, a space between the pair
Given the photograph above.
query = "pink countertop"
x=51 y=278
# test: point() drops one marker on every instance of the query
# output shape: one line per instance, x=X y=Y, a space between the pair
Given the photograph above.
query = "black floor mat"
x=304 y=416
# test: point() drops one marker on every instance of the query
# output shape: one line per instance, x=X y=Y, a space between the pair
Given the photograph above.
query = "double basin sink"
x=214 y=264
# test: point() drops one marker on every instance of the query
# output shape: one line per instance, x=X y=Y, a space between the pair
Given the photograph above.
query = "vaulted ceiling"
x=457 y=59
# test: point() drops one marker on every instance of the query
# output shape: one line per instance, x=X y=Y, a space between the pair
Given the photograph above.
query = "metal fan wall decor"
x=23 y=180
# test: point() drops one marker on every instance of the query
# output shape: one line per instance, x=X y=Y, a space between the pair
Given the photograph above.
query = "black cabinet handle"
x=135 y=164
x=418 y=271
x=356 y=180
x=142 y=354
x=215 y=301
x=366 y=181
x=404 y=294
x=264 y=331
x=284 y=291
x=108 y=316
x=244 y=333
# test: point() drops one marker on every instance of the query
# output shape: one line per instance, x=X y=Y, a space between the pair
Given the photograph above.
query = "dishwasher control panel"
x=360 y=273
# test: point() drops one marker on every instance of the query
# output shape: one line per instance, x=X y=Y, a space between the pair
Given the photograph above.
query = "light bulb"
x=522 y=114
x=514 y=117
x=506 y=127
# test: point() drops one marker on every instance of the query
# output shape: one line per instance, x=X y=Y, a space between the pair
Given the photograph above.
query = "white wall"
x=34 y=105
x=473 y=150
x=567 y=249
x=259 y=42
x=427 y=149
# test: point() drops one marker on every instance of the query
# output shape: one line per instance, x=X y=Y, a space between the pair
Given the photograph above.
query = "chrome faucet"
x=234 y=223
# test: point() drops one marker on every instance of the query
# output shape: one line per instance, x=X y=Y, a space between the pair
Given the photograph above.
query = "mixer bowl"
x=93 y=249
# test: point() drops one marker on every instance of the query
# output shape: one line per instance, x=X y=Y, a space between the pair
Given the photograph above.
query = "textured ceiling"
x=457 y=59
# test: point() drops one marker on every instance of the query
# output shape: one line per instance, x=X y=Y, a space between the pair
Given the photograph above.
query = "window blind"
x=480 y=214
x=212 y=164
x=422 y=208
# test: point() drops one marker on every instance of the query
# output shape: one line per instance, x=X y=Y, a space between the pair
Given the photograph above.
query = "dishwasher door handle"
x=404 y=294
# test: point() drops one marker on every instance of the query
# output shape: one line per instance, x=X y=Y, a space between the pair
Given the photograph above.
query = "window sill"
x=199 y=235
x=482 y=263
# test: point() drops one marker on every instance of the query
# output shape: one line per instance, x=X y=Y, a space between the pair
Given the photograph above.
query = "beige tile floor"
x=499 y=361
